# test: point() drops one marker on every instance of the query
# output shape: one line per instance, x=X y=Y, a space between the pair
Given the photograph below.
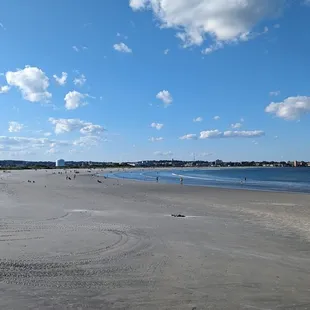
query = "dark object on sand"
x=99 y=181
x=177 y=215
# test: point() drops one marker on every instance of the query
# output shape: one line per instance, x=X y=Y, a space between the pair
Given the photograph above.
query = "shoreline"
x=247 y=186
x=214 y=187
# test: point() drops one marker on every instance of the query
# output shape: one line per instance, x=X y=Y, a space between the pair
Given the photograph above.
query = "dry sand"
x=81 y=244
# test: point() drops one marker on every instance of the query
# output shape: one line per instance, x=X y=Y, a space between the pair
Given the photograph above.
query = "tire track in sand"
x=106 y=262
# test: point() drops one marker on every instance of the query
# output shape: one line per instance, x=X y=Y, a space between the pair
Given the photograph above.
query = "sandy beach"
x=82 y=244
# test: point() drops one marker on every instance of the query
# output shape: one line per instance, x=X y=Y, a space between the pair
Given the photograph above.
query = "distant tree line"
x=24 y=165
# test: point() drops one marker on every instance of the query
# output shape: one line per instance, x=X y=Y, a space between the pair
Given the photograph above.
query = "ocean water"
x=266 y=179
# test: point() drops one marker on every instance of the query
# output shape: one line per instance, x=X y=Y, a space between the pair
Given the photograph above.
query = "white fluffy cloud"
x=4 y=89
x=154 y=139
x=243 y=38
x=165 y=97
x=74 y=100
x=198 y=119
x=32 y=82
x=137 y=4
x=159 y=153
x=236 y=125
x=61 y=80
x=158 y=126
x=190 y=136
x=63 y=125
x=122 y=47
x=80 y=80
x=222 y=20
x=209 y=134
x=15 y=127
x=292 y=108
x=216 y=118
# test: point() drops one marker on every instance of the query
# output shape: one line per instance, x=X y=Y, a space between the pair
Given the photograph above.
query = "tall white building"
x=60 y=163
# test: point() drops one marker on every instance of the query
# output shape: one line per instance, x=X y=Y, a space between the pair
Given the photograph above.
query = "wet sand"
x=81 y=244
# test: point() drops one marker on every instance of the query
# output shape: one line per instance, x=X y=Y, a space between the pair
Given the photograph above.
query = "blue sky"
x=154 y=79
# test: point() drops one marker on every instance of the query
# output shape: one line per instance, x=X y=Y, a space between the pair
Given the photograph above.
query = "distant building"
x=60 y=163
x=218 y=162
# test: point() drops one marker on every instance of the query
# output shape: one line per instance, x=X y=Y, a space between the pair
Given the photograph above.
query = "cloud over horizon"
x=68 y=125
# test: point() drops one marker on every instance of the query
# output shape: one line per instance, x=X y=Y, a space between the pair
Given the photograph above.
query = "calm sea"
x=267 y=179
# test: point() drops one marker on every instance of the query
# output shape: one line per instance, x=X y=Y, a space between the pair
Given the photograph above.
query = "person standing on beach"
x=156 y=179
x=181 y=180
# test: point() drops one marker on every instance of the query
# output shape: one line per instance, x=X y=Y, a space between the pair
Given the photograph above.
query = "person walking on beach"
x=156 y=179
x=181 y=180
